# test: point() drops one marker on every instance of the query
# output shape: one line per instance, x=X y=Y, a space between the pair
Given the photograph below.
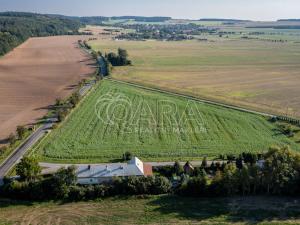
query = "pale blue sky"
x=194 y=9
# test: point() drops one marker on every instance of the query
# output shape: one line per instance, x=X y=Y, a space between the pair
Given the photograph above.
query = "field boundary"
x=193 y=98
x=35 y=138
x=206 y=101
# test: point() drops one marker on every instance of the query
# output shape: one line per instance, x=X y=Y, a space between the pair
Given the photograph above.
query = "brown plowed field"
x=34 y=75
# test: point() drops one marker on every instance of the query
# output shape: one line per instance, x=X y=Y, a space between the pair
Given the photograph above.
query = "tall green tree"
x=280 y=171
x=61 y=182
x=178 y=168
x=229 y=180
x=244 y=180
x=255 y=178
x=28 y=169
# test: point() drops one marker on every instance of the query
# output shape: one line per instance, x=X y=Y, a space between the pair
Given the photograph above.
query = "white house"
x=96 y=174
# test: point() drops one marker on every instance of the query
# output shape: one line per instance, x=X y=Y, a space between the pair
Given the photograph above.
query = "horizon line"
x=205 y=18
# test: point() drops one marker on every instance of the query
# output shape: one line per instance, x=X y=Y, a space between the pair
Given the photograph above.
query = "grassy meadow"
x=116 y=118
x=155 y=210
x=256 y=74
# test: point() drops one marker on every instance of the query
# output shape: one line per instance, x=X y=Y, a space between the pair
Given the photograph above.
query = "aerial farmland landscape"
x=34 y=69
x=142 y=112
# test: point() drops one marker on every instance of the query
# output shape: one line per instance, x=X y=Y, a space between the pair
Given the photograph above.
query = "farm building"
x=96 y=174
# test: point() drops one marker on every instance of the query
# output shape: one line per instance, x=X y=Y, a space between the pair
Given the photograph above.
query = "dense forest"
x=93 y=20
x=15 y=28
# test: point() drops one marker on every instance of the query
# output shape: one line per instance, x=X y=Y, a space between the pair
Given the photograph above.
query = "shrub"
x=74 y=99
x=12 y=139
x=127 y=156
x=76 y=193
x=166 y=171
x=195 y=186
x=3 y=149
x=142 y=185
x=21 y=132
x=287 y=130
x=178 y=169
x=59 y=102
x=204 y=163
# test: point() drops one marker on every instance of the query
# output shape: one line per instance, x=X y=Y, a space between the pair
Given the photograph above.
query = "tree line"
x=15 y=28
x=278 y=173
x=62 y=185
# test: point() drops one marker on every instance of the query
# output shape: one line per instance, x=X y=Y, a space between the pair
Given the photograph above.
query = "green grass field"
x=117 y=117
x=155 y=210
x=255 y=74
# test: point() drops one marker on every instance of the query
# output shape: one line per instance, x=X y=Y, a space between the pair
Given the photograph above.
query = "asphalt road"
x=18 y=153
x=16 y=156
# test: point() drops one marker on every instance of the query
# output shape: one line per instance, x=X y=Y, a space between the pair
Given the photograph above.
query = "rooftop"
x=134 y=167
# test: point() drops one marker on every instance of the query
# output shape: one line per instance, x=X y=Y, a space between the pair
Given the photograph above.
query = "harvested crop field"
x=255 y=74
x=118 y=117
x=36 y=73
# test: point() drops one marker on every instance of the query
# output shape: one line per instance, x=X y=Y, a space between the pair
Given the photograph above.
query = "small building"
x=97 y=174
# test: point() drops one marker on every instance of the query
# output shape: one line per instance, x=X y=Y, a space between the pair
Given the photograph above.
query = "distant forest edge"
x=223 y=20
x=289 y=20
x=277 y=27
x=15 y=28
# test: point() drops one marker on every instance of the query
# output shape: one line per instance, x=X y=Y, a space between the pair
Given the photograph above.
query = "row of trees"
x=246 y=158
x=20 y=134
x=84 y=44
x=62 y=185
x=63 y=107
x=278 y=175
